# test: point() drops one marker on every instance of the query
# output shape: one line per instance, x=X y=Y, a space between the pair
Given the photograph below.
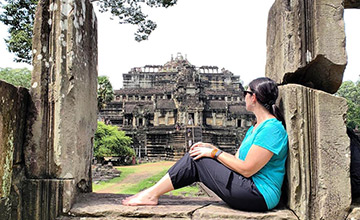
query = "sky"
x=230 y=35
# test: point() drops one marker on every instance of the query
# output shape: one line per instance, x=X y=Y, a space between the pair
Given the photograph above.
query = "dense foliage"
x=105 y=92
x=19 y=15
x=17 y=77
x=109 y=141
x=130 y=12
x=351 y=92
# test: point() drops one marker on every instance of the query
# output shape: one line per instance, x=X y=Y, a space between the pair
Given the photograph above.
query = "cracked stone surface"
x=306 y=43
x=108 y=206
x=318 y=159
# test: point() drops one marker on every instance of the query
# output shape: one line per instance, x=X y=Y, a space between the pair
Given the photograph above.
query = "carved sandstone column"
x=306 y=46
x=196 y=118
x=62 y=122
x=319 y=154
x=156 y=118
x=167 y=118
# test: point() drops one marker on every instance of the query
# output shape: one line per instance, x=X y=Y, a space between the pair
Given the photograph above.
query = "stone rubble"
x=104 y=172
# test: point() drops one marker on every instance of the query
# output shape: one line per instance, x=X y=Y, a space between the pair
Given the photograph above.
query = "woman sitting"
x=251 y=179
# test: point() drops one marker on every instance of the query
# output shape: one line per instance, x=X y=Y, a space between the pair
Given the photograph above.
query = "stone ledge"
x=222 y=212
x=354 y=212
x=108 y=206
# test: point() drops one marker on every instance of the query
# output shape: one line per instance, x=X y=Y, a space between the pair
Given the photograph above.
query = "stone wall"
x=13 y=109
x=319 y=153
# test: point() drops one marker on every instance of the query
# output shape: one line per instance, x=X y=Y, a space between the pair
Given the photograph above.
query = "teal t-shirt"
x=271 y=135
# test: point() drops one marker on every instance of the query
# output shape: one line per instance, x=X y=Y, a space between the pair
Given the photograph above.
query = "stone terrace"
x=108 y=206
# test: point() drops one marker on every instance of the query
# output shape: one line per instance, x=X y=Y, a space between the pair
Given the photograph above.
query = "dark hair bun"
x=266 y=91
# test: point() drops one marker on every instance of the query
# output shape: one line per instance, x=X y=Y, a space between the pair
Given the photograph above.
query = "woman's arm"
x=256 y=158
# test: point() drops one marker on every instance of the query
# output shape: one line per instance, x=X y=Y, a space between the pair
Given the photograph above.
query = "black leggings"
x=237 y=191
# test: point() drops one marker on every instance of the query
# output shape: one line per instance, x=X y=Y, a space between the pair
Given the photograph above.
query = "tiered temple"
x=166 y=108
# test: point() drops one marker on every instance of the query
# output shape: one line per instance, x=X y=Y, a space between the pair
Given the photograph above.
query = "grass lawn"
x=146 y=183
x=124 y=173
x=142 y=184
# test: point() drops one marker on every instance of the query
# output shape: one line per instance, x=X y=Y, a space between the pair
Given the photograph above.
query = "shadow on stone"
x=320 y=73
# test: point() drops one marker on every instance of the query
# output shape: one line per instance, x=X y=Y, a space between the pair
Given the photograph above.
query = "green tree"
x=19 y=15
x=351 y=92
x=109 y=141
x=105 y=92
x=17 y=77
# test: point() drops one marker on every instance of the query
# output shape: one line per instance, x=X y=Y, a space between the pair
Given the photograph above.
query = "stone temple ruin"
x=46 y=134
x=166 y=108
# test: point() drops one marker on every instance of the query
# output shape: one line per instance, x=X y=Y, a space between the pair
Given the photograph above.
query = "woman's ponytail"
x=277 y=113
x=266 y=91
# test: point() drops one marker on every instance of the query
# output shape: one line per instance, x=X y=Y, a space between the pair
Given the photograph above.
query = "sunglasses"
x=247 y=92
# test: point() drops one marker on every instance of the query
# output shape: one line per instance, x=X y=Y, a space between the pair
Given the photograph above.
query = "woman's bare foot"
x=151 y=195
x=141 y=198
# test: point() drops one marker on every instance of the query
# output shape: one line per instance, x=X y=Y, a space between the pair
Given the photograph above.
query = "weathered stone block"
x=319 y=154
x=64 y=81
x=13 y=108
x=47 y=198
x=306 y=43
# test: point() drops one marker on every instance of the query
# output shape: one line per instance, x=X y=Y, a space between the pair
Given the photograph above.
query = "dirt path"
x=145 y=171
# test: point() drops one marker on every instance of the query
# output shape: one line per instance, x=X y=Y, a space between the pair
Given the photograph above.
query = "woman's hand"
x=200 y=149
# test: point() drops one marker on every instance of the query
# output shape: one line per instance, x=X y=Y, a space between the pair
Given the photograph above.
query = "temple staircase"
x=178 y=144
x=156 y=148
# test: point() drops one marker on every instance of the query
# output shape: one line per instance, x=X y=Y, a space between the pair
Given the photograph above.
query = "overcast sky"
x=230 y=35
